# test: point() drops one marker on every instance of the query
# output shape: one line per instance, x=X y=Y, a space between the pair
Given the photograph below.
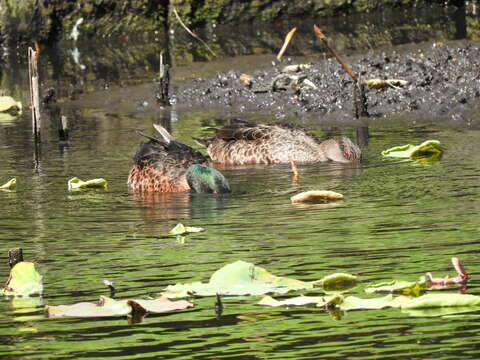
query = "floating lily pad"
x=399 y=287
x=302 y=300
x=239 y=278
x=24 y=280
x=428 y=149
x=9 y=185
x=181 y=229
x=316 y=196
x=108 y=307
x=338 y=282
x=442 y=300
x=77 y=184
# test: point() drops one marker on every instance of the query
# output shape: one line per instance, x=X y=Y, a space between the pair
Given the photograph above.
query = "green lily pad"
x=77 y=184
x=427 y=149
x=9 y=185
x=24 y=280
x=302 y=300
x=181 y=229
x=399 y=287
x=239 y=278
x=338 y=282
x=442 y=300
x=108 y=307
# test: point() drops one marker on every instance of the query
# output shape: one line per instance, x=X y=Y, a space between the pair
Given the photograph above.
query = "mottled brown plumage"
x=242 y=143
x=161 y=164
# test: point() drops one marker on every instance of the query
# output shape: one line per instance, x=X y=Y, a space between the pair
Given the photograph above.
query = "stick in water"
x=191 y=32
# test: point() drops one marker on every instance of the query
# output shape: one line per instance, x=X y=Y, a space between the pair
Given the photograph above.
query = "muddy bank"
x=443 y=83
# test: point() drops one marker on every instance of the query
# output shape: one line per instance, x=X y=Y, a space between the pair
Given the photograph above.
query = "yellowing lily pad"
x=9 y=185
x=107 y=307
x=77 y=184
x=239 y=278
x=316 y=196
x=181 y=229
x=24 y=280
x=399 y=287
x=10 y=106
x=381 y=83
x=427 y=149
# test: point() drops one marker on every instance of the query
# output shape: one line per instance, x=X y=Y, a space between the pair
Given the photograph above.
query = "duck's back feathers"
x=242 y=142
x=161 y=163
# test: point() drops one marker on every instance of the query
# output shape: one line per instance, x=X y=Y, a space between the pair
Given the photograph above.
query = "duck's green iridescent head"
x=204 y=179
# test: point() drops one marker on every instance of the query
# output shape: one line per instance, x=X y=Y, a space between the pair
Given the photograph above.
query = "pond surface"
x=399 y=220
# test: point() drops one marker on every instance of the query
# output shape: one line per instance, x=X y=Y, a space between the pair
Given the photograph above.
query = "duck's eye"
x=346 y=154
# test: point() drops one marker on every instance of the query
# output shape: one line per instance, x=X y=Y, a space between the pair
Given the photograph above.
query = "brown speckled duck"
x=165 y=165
x=242 y=142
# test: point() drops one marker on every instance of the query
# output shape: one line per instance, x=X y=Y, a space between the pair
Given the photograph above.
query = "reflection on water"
x=398 y=220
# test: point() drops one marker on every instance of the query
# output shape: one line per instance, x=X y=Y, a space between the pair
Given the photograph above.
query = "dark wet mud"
x=443 y=84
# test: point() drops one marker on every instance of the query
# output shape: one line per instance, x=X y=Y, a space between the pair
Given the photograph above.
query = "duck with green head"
x=243 y=142
x=165 y=165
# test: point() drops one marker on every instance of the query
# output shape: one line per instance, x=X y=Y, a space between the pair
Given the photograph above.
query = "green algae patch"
x=24 y=280
x=236 y=279
x=77 y=184
x=9 y=185
x=108 y=307
x=431 y=149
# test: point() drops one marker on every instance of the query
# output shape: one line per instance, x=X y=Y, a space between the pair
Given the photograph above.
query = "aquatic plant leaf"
x=239 y=278
x=356 y=303
x=10 y=106
x=108 y=307
x=380 y=83
x=338 y=282
x=302 y=300
x=442 y=300
x=441 y=311
x=10 y=184
x=24 y=280
x=316 y=196
x=427 y=149
x=77 y=184
x=399 y=287
x=181 y=229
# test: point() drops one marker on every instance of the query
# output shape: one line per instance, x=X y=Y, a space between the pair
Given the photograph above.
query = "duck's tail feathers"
x=202 y=142
x=153 y=138
x=164 y=133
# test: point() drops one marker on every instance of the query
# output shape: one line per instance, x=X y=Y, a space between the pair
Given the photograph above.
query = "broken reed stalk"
x=191 y=32
x=63 y=130
x=359 y=98
x=163 y=83
x=34 y=93
x=15 y=256
x=288 y=39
